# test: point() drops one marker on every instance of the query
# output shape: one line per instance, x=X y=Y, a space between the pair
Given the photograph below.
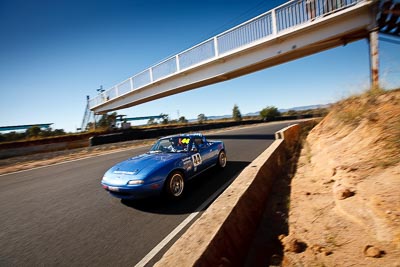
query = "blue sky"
x=55 y=52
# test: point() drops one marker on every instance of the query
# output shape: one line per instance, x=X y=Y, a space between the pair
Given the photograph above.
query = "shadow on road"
x=242 y=136
x=197 y=191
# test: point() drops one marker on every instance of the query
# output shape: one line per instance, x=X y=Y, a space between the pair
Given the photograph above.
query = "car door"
x=204 y=152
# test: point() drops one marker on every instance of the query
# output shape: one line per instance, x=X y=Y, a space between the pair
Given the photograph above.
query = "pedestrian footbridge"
x=293 y=30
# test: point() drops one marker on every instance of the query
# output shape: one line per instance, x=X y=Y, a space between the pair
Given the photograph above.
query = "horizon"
x=145 y=121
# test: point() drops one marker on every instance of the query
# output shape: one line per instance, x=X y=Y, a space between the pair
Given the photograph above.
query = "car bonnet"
x=130 y=169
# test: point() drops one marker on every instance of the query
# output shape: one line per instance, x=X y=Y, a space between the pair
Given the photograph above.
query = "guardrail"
x=283 y=18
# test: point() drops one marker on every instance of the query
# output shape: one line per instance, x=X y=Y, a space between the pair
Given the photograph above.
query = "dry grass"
x=368 y=108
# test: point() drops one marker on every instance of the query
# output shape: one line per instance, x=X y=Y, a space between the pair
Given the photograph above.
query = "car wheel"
x=222 y=159
x=175 y=185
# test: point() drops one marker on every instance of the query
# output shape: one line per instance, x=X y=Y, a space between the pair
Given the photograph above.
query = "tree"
x=151 y=121
x=59 y=132
x=183 y=120
x=14 y=136
x=50 y=132
x=269 y=113
x=33 y=131
x=165 y=119
x=107 y=121
x=236 y=115
x=201 y=118
x=89 y=126
x=47 y=132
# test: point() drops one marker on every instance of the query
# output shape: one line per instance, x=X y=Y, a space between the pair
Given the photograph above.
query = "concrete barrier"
x=223 y=233
x=33 y=149
x=291 y=135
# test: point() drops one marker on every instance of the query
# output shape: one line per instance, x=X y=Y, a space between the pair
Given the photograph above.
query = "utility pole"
x=374 y=58
x=100 y=91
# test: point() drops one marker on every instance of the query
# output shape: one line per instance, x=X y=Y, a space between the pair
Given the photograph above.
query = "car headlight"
x=135 y=182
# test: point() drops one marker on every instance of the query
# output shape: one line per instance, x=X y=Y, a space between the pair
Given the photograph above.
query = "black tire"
x=222 y=159
x=175 y=185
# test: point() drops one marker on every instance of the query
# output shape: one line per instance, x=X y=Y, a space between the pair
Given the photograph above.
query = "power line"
x=234 y=21
x=238 y=19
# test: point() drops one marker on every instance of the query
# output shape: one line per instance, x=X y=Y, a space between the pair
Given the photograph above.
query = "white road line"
x=182 y=225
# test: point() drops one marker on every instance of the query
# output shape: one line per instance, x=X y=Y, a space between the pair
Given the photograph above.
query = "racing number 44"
x=196 y=159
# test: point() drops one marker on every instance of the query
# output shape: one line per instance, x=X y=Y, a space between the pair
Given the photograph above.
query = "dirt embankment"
x=345 y=195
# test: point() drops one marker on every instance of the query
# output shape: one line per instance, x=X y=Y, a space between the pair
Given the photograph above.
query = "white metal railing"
x=245 y=33
x=269 y=24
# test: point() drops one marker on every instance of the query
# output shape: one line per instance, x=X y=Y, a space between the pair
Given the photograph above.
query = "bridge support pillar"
x=374 y=58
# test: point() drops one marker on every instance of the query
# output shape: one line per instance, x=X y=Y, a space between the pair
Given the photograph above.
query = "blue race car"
x=171 y=162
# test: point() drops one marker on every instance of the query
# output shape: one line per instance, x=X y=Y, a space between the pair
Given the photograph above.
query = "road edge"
x=224 y=231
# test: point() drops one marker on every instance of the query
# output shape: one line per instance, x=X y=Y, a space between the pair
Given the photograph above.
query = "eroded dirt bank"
x=345 y=195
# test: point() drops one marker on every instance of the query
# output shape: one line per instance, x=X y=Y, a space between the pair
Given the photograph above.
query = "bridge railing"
x=267 y=25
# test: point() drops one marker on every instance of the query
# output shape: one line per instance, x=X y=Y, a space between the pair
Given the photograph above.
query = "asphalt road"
x=60 y=215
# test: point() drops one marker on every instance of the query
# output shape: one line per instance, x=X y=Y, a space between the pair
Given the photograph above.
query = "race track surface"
x=60 y=215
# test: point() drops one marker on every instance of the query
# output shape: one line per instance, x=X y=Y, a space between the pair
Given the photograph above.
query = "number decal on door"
x=196 y=158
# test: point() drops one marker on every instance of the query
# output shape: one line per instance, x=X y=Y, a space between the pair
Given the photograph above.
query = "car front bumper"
x=134 y=191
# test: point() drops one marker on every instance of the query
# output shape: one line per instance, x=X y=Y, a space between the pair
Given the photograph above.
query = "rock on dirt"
x=344 y=193
x=292 y=244
x=373 y=252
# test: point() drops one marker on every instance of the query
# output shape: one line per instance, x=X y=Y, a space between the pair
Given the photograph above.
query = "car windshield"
x=171 y=145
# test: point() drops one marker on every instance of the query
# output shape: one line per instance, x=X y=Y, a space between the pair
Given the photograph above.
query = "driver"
x=178 y=144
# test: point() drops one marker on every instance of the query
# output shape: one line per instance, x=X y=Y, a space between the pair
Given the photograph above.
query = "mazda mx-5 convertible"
x=169 y=164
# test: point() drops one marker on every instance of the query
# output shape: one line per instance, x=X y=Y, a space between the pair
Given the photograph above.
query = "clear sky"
x=55 y=52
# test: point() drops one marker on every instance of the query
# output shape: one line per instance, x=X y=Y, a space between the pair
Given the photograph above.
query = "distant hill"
x=258 y=112
x=305 y=107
